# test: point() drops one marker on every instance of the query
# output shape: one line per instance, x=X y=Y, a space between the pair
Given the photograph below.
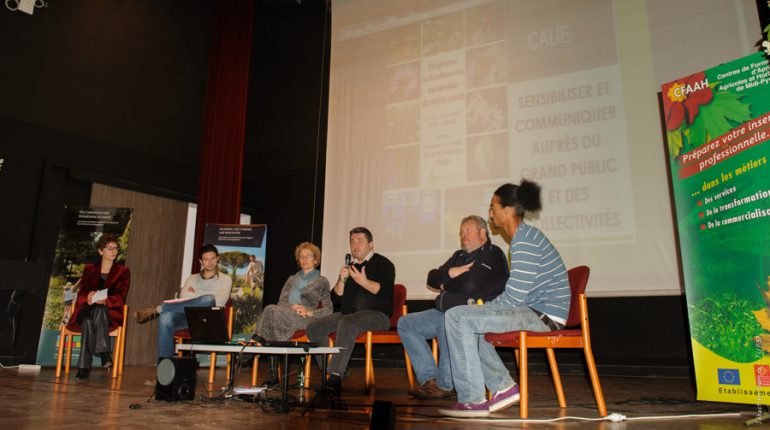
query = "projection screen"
x=434 y=104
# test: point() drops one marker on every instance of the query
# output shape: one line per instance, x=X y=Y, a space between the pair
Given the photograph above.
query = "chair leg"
x=122 y=350
x=308 y=360
x=595 y=380
x=523 y=379
x=69 y=354
x=62 y=340
x=254 y=370
x=212 y=367
x=556 y=377
x=409 y=371
x=369 y=374
x=227 y=367
x=434 y=349
x=116 y=354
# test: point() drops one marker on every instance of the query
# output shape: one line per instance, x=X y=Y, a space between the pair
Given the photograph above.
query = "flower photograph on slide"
x=404 y=82
x=485 y=66
x=402 y=123
x=442 y=34
x=486 y=110
x=485 y=24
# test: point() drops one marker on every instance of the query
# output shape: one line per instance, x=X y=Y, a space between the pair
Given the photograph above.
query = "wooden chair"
x=576 y=334
x=67 y=335
x=385 y=337
x=180 y=336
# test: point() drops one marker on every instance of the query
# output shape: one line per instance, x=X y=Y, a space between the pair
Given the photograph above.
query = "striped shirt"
x=538 y=277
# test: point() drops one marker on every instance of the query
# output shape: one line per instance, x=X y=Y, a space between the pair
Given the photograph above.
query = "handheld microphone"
x=347 y=264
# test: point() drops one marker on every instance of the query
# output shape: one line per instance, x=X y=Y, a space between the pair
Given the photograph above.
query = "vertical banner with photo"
x=242 y=257
x=718 y=127
x=76 y=246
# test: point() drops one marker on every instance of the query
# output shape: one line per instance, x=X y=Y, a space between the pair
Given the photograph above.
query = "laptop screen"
x=207 y=325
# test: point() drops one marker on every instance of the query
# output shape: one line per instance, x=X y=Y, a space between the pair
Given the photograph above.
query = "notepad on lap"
x=99 y=295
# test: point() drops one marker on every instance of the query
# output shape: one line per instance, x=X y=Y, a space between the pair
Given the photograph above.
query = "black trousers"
x=95 y=335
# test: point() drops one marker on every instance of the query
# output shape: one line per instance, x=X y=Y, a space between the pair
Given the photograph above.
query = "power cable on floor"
x=614 y=417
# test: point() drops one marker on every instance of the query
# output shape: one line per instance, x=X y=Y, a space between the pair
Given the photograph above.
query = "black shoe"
x=327 y=399
x=106 y=360
x=272 y=378
x=346 y=373
x=271 y=381
x=83 y=373
x=334 y=384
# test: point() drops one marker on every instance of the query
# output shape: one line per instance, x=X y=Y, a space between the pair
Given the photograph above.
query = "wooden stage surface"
x=37 y=400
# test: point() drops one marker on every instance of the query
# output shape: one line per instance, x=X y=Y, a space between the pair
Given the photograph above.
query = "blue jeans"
x=474 y=360
x=414 y=329
x=172 y=318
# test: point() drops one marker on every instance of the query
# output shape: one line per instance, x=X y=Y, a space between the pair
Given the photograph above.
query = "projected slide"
x=434 y=104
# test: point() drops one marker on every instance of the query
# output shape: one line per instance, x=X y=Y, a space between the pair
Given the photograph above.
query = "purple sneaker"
x=466 y=410
x=503 y=399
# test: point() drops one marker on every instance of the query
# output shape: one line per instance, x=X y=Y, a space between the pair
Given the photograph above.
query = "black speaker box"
x=176 y=379
x=383 y=416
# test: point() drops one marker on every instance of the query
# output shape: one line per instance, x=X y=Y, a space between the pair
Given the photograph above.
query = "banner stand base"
x=765 y=416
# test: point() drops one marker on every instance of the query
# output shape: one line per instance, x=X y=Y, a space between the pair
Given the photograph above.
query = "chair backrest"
x=399 y=300
x=578 y=280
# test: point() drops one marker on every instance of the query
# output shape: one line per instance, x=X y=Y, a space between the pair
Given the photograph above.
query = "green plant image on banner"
x=242 y=253
x=718 y=128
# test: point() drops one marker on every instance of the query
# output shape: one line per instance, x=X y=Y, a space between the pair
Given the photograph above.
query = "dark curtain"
x=224 y=122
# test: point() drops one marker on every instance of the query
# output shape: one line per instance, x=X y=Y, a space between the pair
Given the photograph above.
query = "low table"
x=266 y=350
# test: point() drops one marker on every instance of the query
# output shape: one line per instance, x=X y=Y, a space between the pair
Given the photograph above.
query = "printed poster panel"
x=718 y=127
x=76 y=246
x=242 y=257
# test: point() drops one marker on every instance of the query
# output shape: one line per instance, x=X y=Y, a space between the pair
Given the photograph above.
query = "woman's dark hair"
x=106 y=238
x=524 y=197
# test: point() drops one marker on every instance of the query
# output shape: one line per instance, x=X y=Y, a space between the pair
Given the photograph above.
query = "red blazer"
x=117 y=283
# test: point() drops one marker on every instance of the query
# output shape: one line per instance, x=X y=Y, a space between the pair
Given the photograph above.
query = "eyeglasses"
x=111 y=248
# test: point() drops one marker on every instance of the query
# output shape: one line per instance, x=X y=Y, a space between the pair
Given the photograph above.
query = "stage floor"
x=38 y=401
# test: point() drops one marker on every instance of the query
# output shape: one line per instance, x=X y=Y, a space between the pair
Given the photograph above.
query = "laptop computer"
x=207 y=325
x=282 y=343
x=289 y=344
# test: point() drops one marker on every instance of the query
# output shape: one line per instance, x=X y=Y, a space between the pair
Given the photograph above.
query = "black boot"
x=272 y=376
x=334 y=384
x=106 y=360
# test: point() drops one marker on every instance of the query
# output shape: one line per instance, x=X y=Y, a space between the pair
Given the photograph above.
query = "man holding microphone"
x=365 y=291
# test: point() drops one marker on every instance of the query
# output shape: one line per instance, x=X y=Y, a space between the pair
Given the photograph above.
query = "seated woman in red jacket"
x=95 y=318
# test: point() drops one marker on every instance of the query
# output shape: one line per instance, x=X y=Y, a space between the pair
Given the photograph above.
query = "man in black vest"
x=365 y=291
x=476 y=272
